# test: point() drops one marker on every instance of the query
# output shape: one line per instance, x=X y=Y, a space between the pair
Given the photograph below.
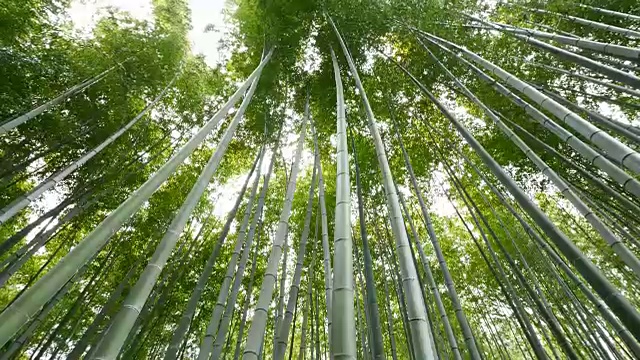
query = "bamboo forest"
x=334 y=179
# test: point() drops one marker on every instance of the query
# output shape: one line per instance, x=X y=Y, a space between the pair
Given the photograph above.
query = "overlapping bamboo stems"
x=505 y=285
x=23 y=201
x=607 y=189
x=453 y=294
x=616 y=301
x=302 y=351
x=590 y=45
x=377 y=340
x=255 y=339
x=20 y=312
x=415 y=303
x=622 y=153
x=609 y=71
x=124 y=320
x=620 y=330
x=591 y=79
x=593 y=24
x=597 y=118
x=536 y=296
x=607 y=235
x=540 y=242
x=453 y=344
x=592 y=156
x=242 y=241
x=282 y=334
x=185 y=320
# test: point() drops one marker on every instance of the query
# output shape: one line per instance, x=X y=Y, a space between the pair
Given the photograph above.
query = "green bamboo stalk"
x=185 y=321
x=616 y=301
x=343 y=282
x=420 y=333
x=123 y=322
x=255 y=339
x=285 y=326
x=22 y=310
x=592 y=156
x=377 y=347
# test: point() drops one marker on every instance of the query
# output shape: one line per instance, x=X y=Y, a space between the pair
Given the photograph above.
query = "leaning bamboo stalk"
x=622 y=153
x=23 y=201
x=88 y=334
x=607 y=235
x=434 y=289
x=611 y=192
x=21 y=311
x=114 y=339
x=550 y=28
x=285 y=325
x=611 y=12
x=591 y=79
x=607 y=291
x=595 y=117
x=604 y=48
x=255 y=339
x=621 y=177
x=11 y=124
x=420 y=332
x=186 y=318
x=594 y=24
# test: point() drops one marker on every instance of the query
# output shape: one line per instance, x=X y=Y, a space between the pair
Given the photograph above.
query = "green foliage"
x=40 y=57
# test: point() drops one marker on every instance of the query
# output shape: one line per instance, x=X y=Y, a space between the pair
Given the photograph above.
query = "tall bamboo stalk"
x=377 y=347
x=11 y=124
x=621 y=177
x=186 y=318
x=420 y=332
x=255 y=339
x=328 y=273
x=285 y=326
x=21 y=311
x=616 y=301
x=343 y=282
